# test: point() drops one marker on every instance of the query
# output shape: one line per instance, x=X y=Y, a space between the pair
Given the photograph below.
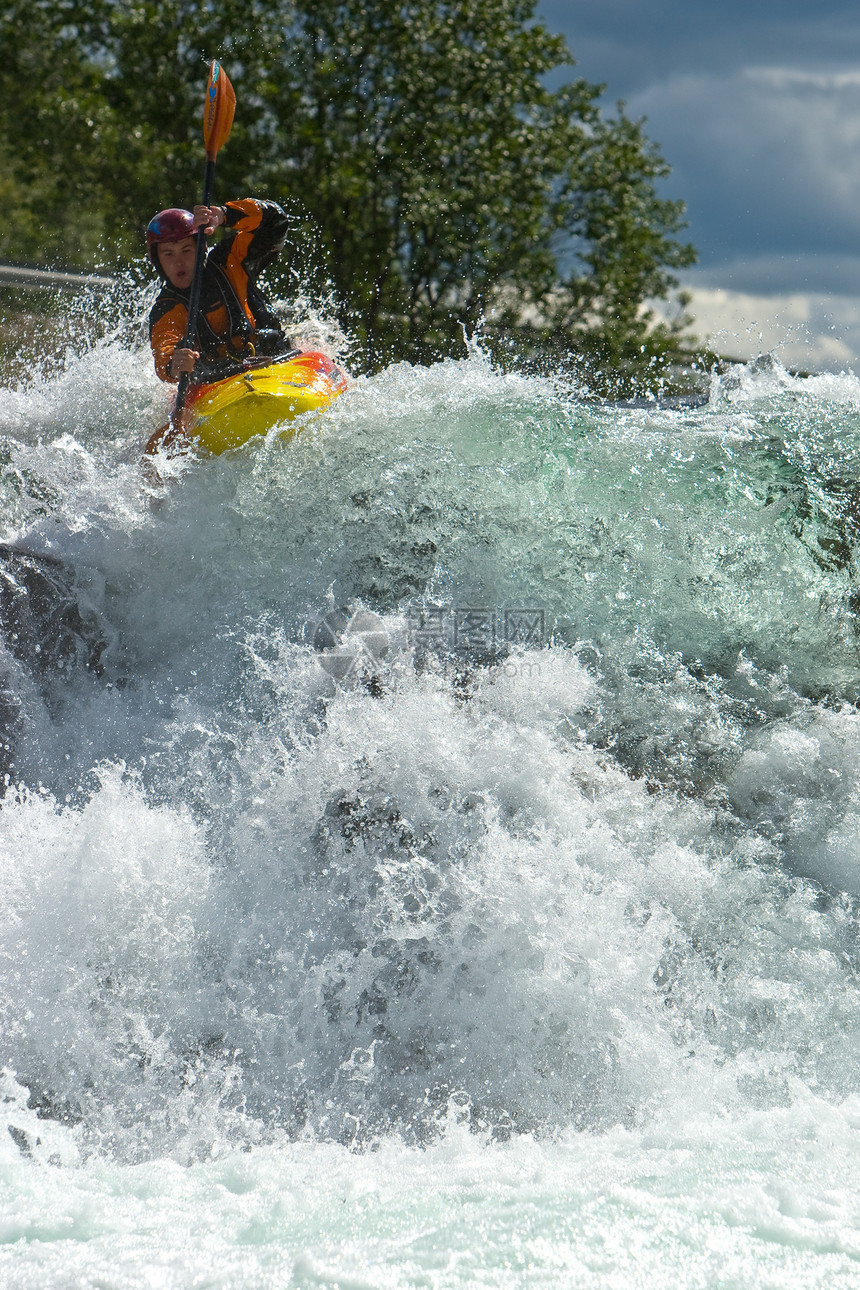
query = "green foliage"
x=438 y=181
x=52 y=114
x=422 y=140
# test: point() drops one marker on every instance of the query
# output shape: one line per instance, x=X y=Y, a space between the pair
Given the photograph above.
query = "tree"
x=103 y=101
x=422 y=140
x=617 y=252
x=439 y=183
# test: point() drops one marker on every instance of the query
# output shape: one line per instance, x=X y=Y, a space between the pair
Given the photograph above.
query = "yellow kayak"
x=229 y=413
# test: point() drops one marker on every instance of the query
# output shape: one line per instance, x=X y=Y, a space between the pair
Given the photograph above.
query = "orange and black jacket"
x=235 y=319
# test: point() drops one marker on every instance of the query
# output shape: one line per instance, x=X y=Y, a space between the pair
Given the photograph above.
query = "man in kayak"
x=236 y=321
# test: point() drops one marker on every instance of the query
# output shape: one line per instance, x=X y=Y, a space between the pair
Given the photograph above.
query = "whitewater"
x=429 y=851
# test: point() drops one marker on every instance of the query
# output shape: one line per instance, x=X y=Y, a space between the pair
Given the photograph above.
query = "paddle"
x=218 y=110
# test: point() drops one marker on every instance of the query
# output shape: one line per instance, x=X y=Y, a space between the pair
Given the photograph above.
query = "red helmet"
x=171 y=225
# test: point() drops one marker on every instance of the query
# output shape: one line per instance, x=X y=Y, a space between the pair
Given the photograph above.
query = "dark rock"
x=50 y=635
x=41 y=619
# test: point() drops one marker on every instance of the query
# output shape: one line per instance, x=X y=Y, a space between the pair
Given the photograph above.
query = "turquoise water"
x=514 y=942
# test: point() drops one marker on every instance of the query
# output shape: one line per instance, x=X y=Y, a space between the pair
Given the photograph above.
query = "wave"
x=574 y=840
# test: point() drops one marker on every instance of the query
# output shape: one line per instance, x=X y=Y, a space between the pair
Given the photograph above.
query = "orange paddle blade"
x=218 y=110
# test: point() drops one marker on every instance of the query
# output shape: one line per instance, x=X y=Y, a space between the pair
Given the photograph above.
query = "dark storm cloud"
x=756 y=106
x=816 y=273
x=766 y=160
x=630 y=44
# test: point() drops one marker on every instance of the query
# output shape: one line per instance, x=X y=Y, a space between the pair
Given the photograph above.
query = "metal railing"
x=17 y=275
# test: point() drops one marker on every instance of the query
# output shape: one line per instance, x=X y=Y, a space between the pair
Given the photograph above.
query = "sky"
x=756 y=106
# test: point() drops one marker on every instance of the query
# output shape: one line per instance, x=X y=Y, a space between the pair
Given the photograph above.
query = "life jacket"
x=240 y=328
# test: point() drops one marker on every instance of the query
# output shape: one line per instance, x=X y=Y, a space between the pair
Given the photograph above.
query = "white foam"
x=591 y=882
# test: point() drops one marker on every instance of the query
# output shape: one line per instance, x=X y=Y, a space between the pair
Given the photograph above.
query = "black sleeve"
x=256 y=234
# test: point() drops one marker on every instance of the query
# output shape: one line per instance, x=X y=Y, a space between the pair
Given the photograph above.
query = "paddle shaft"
x=196 y=291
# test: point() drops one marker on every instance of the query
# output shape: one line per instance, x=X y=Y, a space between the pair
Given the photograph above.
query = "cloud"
x=795 y=78
x=757 y=110
x=766 y=159
x=807 y=331
x=630 y=44
x=821 y=272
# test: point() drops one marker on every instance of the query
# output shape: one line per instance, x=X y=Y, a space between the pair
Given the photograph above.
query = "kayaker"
x=236 y=321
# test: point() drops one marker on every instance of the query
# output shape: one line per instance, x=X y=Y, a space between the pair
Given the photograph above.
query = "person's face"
x=177 y=261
